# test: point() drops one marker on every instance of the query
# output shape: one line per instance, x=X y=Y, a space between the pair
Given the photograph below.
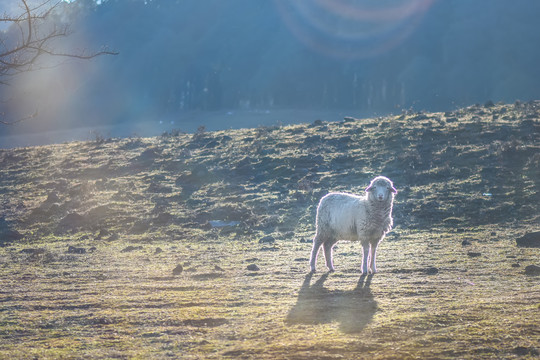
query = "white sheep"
x=367 y=219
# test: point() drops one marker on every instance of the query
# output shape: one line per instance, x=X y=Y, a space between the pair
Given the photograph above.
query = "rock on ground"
x=529 y=240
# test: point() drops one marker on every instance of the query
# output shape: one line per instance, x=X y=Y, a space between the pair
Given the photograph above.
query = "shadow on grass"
x=352 y=309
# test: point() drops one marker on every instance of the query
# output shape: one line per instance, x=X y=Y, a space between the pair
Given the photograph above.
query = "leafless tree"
x=35 y=37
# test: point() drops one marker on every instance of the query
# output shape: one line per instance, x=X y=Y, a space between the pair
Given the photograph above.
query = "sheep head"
x=381 y=189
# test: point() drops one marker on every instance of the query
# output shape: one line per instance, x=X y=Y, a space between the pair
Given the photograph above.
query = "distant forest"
x=182 y=55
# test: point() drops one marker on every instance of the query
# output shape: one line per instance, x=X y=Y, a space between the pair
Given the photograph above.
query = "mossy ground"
x=140 y=207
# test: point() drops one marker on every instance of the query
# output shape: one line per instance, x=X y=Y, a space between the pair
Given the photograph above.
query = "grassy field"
x=196 y=245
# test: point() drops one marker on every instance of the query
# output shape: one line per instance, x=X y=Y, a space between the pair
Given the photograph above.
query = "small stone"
x=493 y=233
x=253 y=267
x=431 y=271
x=178 y=270
x=132 y=248
x=474 y=254
x=466 y=243
x=516 y=265
x=158 y=250
x=76 y=250
x=532 y=270
x=267 y=240
x=218 y=268
x=529 y=240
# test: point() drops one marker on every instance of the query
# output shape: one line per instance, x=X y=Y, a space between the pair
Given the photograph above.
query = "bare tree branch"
x=19 y=120
x=34 y=43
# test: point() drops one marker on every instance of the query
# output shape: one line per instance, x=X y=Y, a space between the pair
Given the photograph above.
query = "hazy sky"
x=9 y=7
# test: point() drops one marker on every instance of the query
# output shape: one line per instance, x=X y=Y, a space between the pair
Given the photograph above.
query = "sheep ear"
x=393 y=189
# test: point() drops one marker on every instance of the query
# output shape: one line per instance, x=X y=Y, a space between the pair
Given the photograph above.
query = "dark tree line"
x=207 y=55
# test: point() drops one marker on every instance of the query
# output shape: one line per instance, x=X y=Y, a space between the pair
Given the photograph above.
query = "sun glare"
x=352 y=30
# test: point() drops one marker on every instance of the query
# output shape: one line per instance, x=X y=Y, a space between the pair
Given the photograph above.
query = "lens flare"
x=352 y=29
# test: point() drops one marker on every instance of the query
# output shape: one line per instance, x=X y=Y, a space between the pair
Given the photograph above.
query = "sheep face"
x=381 y=189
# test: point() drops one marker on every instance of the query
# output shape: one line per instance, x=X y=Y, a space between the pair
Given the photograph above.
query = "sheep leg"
x=317 y=242
x=365 y=255
x=372 y=256
x=327 y=247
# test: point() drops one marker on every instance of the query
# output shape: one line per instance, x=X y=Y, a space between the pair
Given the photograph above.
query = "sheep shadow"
x=352 y=309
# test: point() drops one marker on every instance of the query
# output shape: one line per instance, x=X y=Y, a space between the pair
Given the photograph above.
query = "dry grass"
x=142 y=207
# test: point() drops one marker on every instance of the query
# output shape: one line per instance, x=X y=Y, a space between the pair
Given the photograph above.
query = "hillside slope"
x=471 y=167
x=452 y=280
